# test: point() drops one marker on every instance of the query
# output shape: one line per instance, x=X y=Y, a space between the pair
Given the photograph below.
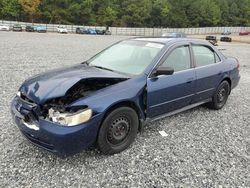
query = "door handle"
x=189 y=80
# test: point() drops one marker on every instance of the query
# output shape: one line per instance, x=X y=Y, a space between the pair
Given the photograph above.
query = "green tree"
x=109 y=15
x=233 y=13
x=204 y=13
x=224 y=8
x=177 y=16
x=105 y=11
x=243 y=16
x=10 y=9
x=81 y=12
x=159 y=13
x=135 y=13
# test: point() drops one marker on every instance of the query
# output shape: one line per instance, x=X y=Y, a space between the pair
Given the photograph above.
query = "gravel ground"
x=203 y=148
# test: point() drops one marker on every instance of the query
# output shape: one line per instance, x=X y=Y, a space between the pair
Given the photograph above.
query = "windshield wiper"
x=85 y=62
x=104 y=68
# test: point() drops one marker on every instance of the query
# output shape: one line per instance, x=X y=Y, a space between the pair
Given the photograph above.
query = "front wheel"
x=118 y=130
x=220 y=97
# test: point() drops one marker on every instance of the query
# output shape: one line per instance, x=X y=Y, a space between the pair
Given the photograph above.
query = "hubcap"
x=118 y=130
x=221 y=96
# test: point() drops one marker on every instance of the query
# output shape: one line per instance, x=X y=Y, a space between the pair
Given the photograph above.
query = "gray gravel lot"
x=204 y=148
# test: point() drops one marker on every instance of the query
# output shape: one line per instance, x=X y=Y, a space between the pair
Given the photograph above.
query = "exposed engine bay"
x=57 y=109
x=85 y=87
x=82 y=89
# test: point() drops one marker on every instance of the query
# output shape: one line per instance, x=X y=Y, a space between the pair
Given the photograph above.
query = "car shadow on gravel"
x=158 y=124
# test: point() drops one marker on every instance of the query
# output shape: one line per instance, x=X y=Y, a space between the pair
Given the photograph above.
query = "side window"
x=204 y=56
x=179 y=59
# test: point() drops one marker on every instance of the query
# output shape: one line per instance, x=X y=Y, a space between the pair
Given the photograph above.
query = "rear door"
x=209 y=71
x=171 y=92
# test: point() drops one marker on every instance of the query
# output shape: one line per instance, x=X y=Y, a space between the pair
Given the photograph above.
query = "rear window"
x=204 y=55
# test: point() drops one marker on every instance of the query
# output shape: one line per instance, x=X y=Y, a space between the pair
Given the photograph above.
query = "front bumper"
x=55 y=138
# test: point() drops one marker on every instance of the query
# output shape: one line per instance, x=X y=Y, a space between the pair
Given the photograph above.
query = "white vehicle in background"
x=4 y=28
x=62 y=29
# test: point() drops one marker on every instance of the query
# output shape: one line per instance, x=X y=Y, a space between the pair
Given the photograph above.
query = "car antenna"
x=222 y=49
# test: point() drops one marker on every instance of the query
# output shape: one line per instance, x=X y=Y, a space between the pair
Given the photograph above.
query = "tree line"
x=130 y=13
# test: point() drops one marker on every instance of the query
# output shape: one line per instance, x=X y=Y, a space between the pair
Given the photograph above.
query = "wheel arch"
x=229 y=81
x=126 y=103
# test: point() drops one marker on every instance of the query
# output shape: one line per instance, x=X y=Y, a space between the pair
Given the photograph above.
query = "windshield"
x=129 y=57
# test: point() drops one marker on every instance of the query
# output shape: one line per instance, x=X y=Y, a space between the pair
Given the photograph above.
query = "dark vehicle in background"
x=81 y=30
x=40 y=29
x=106 y=100
x=174 y=35
x=90 y=31
x=226 y=33
x=244 y=33
x=212 y=39
x=100 y=32
x=103 y=32
x=17 y=27
x=29 y=28
x=226 y=39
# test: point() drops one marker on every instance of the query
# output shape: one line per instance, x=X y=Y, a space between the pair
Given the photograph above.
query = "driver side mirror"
x=164 y=71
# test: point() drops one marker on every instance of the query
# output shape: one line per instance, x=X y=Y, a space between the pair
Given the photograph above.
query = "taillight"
x=238 y=64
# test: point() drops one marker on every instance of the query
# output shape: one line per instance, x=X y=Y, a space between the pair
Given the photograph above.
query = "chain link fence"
x=128 y=31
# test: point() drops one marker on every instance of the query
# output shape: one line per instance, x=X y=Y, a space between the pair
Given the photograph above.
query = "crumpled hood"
x=56 y=83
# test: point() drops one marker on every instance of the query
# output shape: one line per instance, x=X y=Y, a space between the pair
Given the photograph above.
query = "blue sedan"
x=106 y=100
x=40 y=29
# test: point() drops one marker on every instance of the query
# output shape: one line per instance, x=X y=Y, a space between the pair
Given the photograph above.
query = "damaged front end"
x=58 y=110
x=63 y=114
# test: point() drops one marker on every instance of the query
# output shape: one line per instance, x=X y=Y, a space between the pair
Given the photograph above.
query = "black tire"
x=118 y=130
x=220 y=97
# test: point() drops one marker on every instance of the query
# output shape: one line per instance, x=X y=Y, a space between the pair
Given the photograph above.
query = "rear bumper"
x=58 y=139
x=235 y=81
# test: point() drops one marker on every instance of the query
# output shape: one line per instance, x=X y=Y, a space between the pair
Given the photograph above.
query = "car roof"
x=166 y=41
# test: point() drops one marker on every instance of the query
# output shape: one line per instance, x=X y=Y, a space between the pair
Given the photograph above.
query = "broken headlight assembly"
x=68 y=118
x=18 y=94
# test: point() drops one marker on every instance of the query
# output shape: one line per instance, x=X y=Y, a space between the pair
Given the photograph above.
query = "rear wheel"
x=220 y=97
x=118 y=130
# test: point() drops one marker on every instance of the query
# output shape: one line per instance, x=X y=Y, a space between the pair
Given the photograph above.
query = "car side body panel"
x=207 y=80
